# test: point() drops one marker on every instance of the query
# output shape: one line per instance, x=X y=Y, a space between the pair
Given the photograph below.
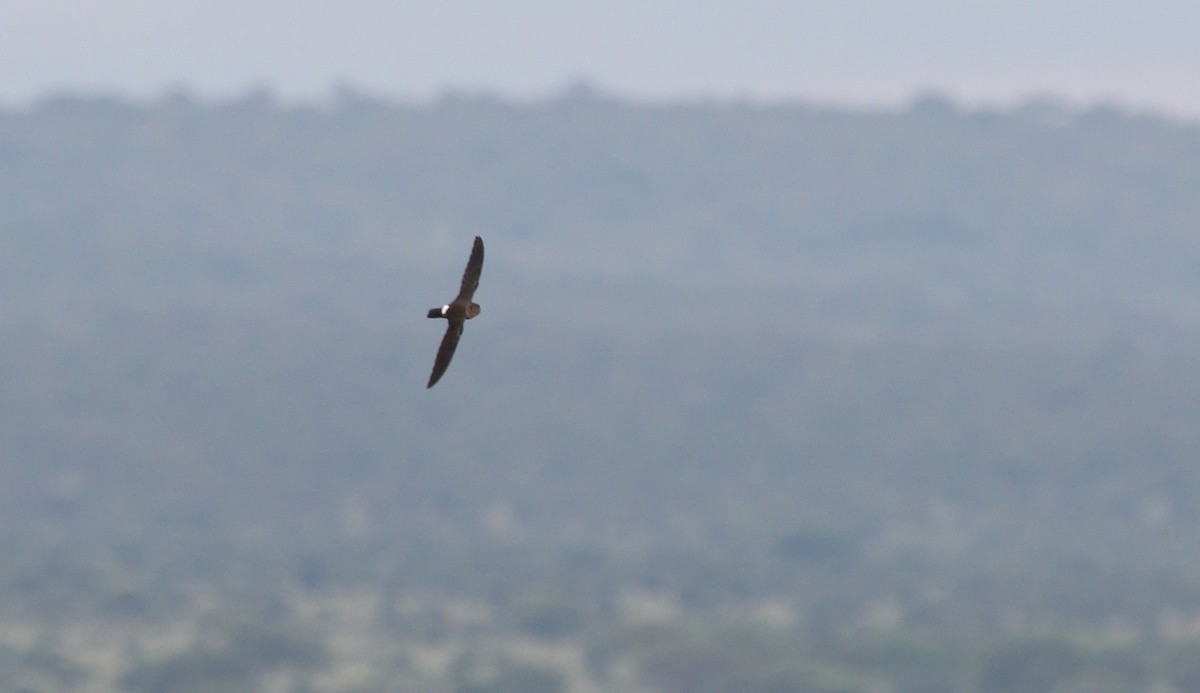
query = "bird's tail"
x=435 y=313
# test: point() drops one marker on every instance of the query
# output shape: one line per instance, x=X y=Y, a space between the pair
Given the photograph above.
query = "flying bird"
x=457 y=312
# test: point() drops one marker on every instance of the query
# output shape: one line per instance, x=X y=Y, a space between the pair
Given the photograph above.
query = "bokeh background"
x=823 y=347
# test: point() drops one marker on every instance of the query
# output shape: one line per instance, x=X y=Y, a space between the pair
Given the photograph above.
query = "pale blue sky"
x=1144 y=53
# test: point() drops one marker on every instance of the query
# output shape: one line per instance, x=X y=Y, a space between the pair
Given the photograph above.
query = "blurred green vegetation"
x=763 y=397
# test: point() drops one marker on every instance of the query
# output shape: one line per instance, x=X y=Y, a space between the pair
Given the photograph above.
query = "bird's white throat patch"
x=445 y=308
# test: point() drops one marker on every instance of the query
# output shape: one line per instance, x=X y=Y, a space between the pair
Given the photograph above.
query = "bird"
x=457 y=312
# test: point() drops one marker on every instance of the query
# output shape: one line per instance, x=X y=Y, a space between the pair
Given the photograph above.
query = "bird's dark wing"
x=470 y=280
x=446 y=351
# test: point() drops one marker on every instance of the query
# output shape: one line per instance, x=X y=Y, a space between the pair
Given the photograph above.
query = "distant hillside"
x=716 y=339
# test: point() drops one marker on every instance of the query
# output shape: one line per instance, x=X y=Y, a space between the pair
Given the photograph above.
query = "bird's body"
x=457 y=312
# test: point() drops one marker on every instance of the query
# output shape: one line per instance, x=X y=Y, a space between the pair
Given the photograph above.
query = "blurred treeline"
x=764 y=397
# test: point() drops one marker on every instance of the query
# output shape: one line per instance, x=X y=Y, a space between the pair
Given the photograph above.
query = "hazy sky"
x=1145 y=53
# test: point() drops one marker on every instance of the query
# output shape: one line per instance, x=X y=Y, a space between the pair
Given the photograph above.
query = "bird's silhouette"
x=457 y=312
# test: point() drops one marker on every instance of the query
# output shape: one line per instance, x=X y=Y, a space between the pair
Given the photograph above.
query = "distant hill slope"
x=719 y=328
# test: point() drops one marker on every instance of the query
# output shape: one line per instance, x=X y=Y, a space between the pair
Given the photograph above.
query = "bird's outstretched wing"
x=446 y=351
x=470 y=280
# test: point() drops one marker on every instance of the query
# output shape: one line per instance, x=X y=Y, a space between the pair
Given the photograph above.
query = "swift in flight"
x=457 y=312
